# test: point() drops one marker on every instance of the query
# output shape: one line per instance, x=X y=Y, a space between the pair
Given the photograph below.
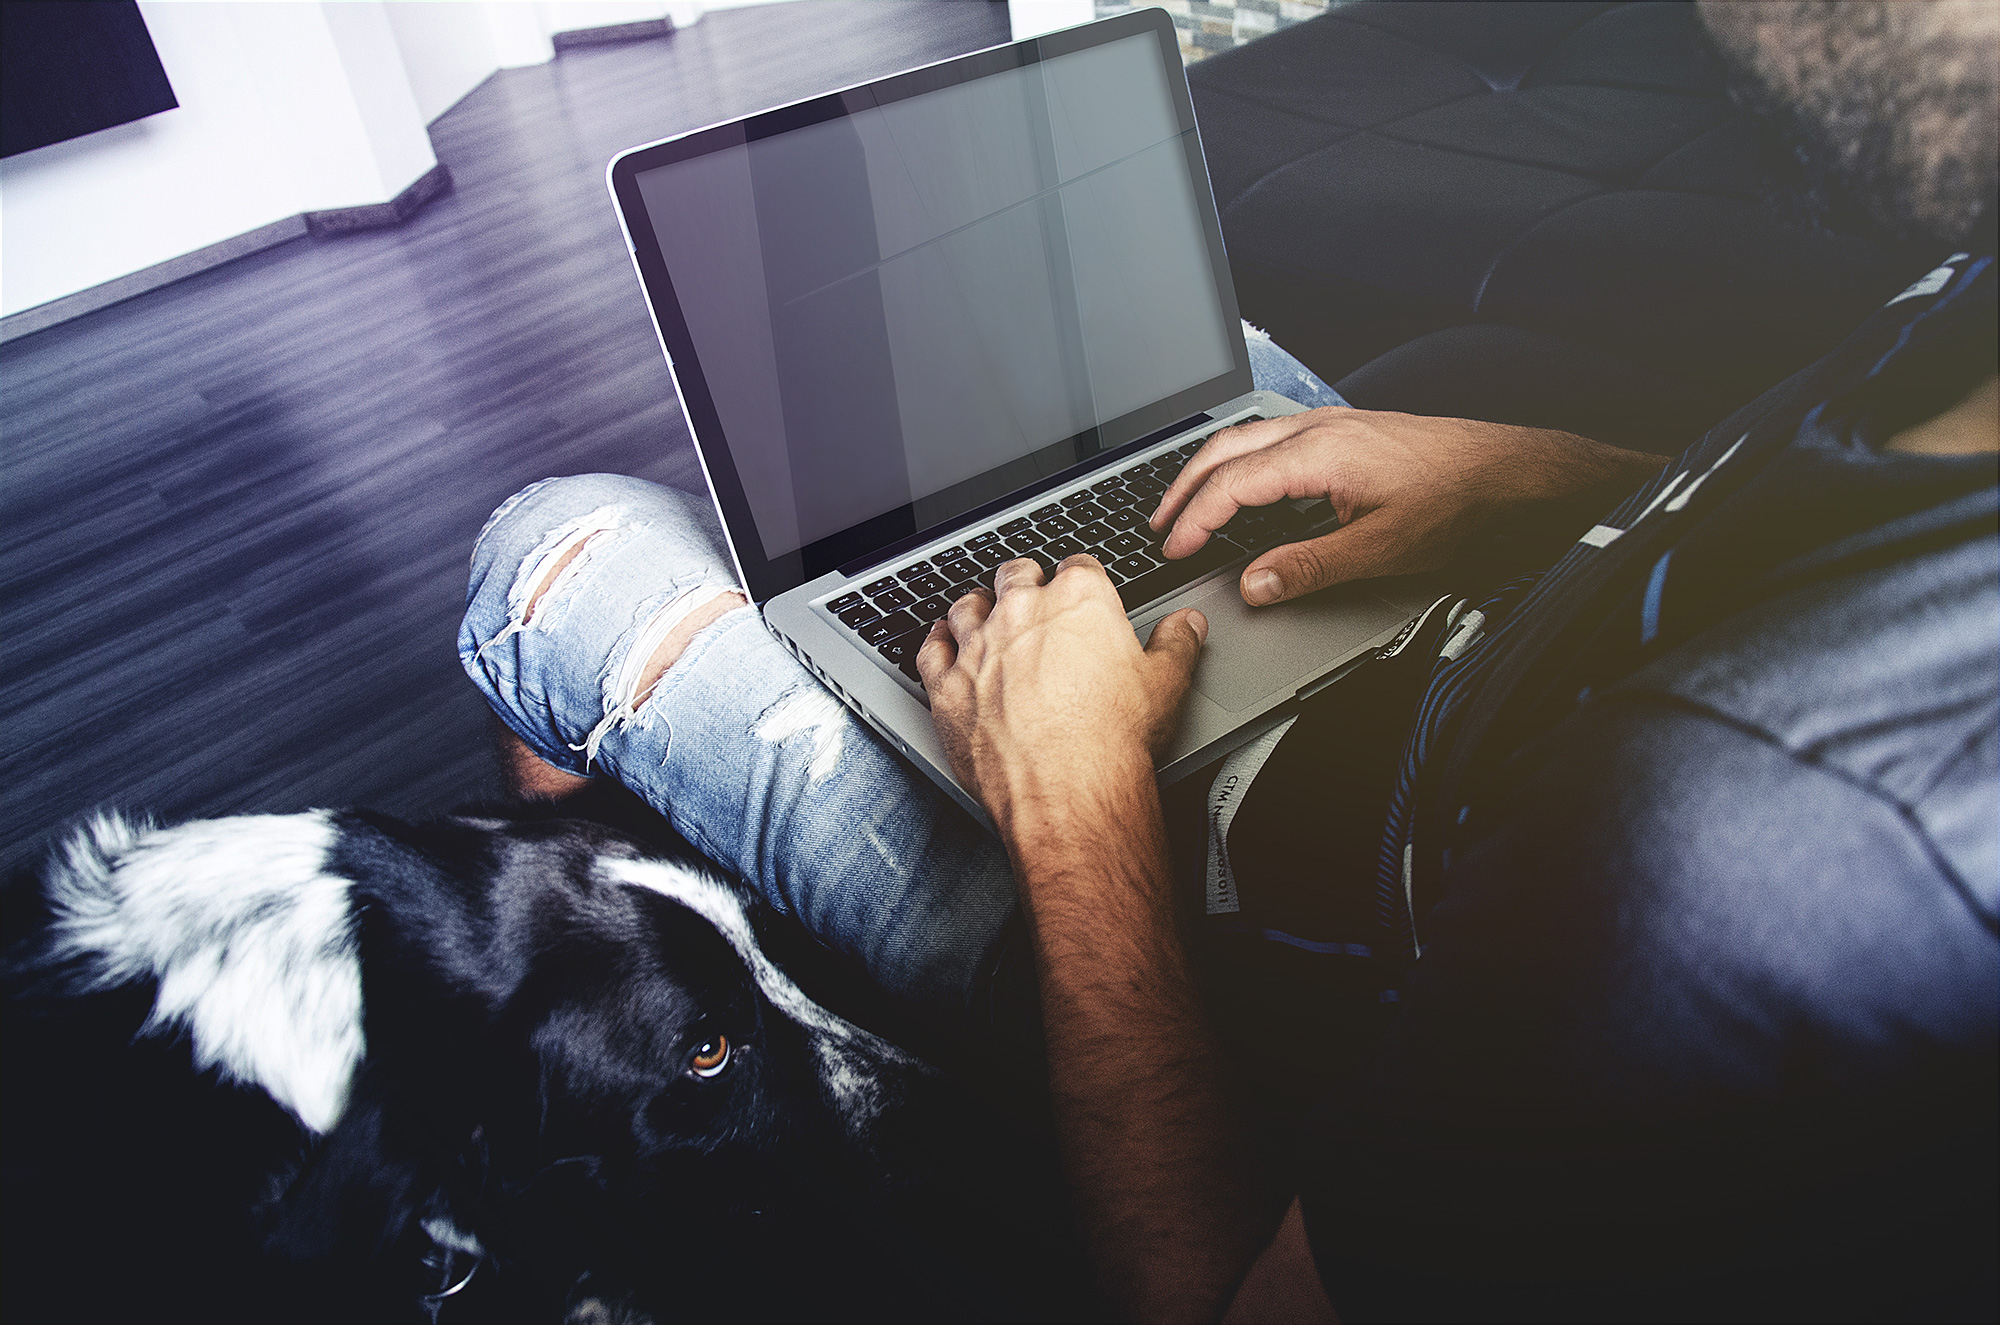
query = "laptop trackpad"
x=1255 y=652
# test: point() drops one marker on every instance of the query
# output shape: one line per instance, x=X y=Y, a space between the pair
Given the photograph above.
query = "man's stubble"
x=1886 y=112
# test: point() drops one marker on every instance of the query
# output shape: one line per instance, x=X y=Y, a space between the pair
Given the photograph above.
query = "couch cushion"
x=1436 y=231
x=1339 y=71
x=1607 y=134
x=1707 y=290
x=1577 y=171
x=1513 y=375
x=1501 y=43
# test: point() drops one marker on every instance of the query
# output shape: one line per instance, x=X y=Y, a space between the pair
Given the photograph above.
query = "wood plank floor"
x=235 y=512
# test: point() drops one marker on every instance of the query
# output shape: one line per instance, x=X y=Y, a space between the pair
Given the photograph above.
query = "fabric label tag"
x=1225 y=797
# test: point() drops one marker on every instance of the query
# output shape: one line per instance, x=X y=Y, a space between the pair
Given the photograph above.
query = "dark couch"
x=1542 y=213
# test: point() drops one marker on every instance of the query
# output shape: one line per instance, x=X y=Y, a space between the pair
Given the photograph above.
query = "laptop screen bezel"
x=865 y=543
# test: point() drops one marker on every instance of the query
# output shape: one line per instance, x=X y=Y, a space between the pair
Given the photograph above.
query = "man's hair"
x=1886 y=112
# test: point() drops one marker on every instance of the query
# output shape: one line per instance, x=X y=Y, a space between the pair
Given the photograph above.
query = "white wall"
x=284 y=108
x=449 y=49
x=1031 y=18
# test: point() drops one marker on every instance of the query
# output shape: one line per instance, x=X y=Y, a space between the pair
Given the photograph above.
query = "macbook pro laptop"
x=974 y=311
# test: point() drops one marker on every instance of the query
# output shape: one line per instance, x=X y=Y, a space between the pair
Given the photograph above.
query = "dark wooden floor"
x=235 y=512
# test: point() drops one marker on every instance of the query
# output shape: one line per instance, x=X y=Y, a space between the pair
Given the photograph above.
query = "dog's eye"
x=710 y=1056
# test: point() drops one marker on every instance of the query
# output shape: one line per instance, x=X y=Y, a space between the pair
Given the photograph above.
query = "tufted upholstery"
x=1531 y=212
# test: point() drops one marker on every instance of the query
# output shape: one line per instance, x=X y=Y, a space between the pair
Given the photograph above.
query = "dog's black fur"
x=525 y=1103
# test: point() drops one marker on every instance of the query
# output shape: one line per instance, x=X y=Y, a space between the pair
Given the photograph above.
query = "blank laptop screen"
x=908 y=305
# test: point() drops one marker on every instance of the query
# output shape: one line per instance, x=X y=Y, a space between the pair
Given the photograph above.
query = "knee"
x=547 y=508
x=584 y=592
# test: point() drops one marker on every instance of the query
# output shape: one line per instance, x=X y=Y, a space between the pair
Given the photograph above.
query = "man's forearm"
x=1154 y=1154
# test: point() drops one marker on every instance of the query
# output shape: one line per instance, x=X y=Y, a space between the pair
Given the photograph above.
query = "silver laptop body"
x=919 y=324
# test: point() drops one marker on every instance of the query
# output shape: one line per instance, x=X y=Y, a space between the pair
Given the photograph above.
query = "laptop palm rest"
x=1254 y=653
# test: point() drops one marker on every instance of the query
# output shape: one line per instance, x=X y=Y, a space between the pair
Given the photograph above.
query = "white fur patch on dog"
x=848 y=1055
x=250 y=941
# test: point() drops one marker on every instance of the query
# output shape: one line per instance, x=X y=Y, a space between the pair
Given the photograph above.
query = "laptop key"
x=902 y=650
x=887 y=628
x=992 y=556
x=1129 y=518
x=983 y=540
x=1134 y=565
x=1104 y=484
x=1084 y=511
x=857 y=616
x=1116 y=499
x=932 y=583
x=1025 y=541
x=1016 y=526
x=1145 y=489
x=946 y=555
x=1048 y=512
x=894 y=599
x=961 y=569
x=1124 y=545
x=845 y=601
x=880 y=586
x=930 y=609
x=911 y=572
x=1074 y=499
x=1055 y=527
x=1058 y=548
x=1094 y=535
x=1136 y=592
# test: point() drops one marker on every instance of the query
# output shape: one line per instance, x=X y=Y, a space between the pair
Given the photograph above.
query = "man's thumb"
x=1300 y=568
x=1179 y=638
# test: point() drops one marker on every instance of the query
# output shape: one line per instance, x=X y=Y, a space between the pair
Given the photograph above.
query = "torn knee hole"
x=708 y=606
x=549 y=579
x=555 y=566
x=656 y=647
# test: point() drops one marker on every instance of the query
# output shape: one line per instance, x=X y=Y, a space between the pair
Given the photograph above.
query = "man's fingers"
x=1258 y=479
x=935 y=658
x=1220 y=448
x=970 y=612
x=1374 y=544
x=1020 y=573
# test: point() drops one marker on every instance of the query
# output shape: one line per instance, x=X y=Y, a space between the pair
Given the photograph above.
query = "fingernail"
x=1261 y=586
x=1200 y=624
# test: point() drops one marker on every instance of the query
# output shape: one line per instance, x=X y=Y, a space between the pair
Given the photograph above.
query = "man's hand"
x=1043 y=694
x=1409 y=490
x=1053 y=715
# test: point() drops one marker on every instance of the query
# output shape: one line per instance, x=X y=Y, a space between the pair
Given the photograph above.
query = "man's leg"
x=608 y=635
x=1271 y=369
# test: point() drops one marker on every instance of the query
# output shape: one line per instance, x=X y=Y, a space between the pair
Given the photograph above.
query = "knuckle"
x=1307 y=563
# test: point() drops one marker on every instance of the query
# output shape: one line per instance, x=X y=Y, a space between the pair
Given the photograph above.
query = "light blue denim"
x=748 y=756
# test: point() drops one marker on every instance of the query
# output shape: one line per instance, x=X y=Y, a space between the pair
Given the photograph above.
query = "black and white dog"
x=376 y=1058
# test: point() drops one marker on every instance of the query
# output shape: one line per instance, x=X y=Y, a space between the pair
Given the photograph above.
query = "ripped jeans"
x=738 y=745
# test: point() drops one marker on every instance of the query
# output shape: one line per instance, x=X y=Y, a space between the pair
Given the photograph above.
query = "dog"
x=496 y=1065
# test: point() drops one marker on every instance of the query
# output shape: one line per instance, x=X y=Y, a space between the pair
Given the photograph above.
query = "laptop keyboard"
x=1106 y=519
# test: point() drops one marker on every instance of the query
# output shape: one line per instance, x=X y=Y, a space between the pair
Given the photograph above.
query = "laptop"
x=975 y=311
